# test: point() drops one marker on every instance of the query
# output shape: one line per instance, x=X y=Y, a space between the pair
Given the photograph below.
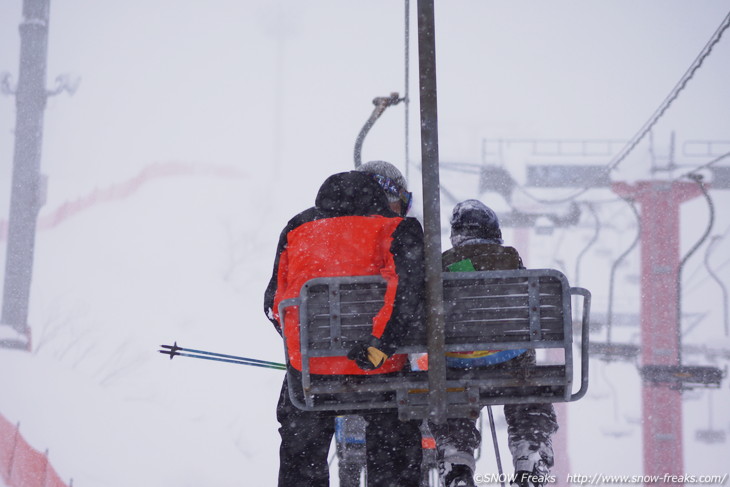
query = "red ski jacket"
x=351 y=231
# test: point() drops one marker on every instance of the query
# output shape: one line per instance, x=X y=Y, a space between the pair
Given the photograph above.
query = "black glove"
x=367 y=357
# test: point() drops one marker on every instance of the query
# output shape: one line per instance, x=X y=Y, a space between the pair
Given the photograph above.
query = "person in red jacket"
x=356 y=227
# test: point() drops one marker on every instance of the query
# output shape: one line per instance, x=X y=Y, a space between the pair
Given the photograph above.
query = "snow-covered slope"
x=182 y=259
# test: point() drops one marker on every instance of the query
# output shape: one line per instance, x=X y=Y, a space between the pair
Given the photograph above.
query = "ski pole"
x=175 y=350
x=496 y=446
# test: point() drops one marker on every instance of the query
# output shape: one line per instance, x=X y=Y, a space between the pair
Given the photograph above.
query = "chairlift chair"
x=488 y=310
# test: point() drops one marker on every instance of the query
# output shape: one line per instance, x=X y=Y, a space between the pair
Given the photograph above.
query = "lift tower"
x=663 y=374
x=25 y=196
x=660 y=203
x=27 y=193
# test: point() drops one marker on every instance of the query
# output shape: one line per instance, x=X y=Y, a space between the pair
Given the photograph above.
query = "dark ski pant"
x=533 y=423
x=393 y=452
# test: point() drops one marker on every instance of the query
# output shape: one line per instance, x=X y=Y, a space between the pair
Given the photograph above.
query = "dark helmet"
x=474 y=219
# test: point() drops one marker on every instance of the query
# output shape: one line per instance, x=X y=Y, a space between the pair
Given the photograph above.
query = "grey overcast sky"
x=285 y=86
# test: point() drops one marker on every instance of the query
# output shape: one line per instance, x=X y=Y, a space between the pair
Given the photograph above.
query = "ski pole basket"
x=486 y=310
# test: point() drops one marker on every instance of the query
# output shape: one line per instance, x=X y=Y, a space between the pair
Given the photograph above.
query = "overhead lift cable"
x=688 y=75
x=688 y=175
x=706 y=165
x=658 y=113
x=406 y=91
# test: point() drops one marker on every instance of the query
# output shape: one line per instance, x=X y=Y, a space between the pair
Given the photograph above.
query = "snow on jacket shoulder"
x=351 y=231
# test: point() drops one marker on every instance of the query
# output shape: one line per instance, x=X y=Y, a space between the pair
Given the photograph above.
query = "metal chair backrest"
x=486 y=310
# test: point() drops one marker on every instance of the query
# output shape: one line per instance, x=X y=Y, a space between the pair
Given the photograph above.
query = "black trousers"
x=393 y=447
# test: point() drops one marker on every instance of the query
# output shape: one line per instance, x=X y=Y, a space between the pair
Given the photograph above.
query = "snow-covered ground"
x=172 y=262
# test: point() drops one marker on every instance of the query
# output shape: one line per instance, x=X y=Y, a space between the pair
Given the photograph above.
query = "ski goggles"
x=392 y=188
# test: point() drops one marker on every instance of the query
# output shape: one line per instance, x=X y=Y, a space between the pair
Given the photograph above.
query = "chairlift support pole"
x=431 y=210
x=27 y=188
x=660 y=242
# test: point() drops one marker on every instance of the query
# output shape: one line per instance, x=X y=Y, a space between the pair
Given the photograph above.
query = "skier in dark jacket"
x=477 y=246
x=357 y=227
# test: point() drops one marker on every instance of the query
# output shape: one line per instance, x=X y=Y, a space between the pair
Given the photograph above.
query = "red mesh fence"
x=20 y=464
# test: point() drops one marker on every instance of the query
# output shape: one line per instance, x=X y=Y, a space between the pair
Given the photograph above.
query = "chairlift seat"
x=486 y=310
x=683 y=376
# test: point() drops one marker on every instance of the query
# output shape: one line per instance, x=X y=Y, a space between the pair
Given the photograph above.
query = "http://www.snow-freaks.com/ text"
x=600 y=479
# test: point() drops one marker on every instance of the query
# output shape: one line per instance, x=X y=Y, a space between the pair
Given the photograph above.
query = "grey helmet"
x=391 y=180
